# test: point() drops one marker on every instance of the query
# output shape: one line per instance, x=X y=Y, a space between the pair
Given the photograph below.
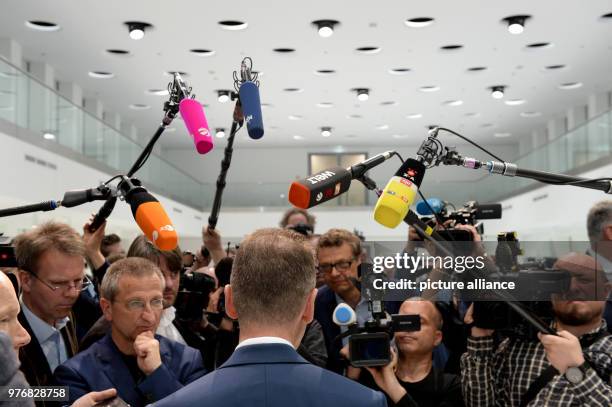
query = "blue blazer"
x=273 y=375
x=101 y=367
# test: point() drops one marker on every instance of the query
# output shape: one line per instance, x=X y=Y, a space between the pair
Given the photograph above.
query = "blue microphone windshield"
x=436 y=204
x=251 y=107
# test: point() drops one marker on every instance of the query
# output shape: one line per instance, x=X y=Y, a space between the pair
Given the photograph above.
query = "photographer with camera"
x=599 y=229
x=571 y=368
x=299 y=220
x=411 y=379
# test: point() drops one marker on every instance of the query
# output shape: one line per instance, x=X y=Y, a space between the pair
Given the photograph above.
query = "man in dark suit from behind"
x=271 y=293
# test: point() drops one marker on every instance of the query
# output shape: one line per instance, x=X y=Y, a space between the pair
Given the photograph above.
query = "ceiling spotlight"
x=497 y=92
x=219 y=132
x=363 y=94
x=325 y=27
x=516 y=24
x=326 y=131
x=419 y=22
x=137 y=29
x=47 y=135
x=223 y=95
x=42 y=25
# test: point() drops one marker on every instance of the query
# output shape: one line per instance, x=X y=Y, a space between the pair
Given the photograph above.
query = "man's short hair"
x=272 y=275
x=132 y=267
x=310 y=219
x=599 y=216
x=107 y=241
x=142 y=247
x=438 y=317
x=337 y=237
x=31 y=245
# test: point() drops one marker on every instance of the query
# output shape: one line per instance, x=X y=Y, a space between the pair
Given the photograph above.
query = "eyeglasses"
x=139 y=305
x=80 y=285
x=342 y=265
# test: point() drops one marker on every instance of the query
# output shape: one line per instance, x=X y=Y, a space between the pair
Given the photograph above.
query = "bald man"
x=10 y=326
x=575 y=364
x=411 y=379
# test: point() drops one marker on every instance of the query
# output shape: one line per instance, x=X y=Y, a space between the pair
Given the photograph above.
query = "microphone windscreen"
x=192 y=113
x=153 y=220
x=251 y=107
x=434 y=203
x=319 y=187
x=344 y=315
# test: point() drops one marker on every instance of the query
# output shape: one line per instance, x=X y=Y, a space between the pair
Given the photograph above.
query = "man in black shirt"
x=411 y=380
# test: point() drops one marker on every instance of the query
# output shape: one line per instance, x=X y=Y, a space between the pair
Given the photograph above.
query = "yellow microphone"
x=399 y=194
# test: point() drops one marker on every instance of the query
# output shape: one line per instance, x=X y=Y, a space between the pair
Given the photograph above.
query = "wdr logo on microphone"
x=203 y=131
x=248 y=118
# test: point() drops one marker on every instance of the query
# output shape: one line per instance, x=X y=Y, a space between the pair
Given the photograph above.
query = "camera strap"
x=547 y=375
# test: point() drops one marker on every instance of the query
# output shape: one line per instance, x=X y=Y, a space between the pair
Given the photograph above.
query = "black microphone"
x=328 y=184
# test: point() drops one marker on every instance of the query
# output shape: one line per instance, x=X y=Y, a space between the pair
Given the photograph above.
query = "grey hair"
x=132 y=267
x=599 y=215
x=438 y=314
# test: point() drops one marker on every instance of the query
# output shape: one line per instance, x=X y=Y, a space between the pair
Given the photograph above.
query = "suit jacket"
x=101 y=367
x=273 y=375
x=325 y=304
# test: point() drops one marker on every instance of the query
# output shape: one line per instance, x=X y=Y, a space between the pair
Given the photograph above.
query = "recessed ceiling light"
x=116 y=51
x=389 y=103
x=171 y=73
x=219 y=132
x=293 y=90
x=157 y=92
x=414 y=116
x=42 y=25
x=47 y=135
x=233 y=25
x=516 y=23
x=323 y=72
x=540 y=45
x=477 y=68
x=363 y=94
x=354 y=116
x=137 y=29
x=419 y=22
x=453 y=103
x=368 y=50
x=429 y=88
x=497 y=92
x=398 y=136
x=325 y=104
x=325 y=27
x=570 y=85
x=399 y=71
x=223 y=96
x=606 y=17
x=101 y=74
x=453 y=47
x=555 y=67
x=472 y=114
x=326 y=131
x=284 y=50
x=502 y=135
x=382 y=127
x=295 y=117
x=201 y=52
x=139 y=106
x=530 y=114
x=296 y=137
x=515 y=102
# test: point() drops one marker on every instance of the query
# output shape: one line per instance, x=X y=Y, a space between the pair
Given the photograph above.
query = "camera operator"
x=299 y=220
x=411 y=379
x=570 y=369
x=599 y=228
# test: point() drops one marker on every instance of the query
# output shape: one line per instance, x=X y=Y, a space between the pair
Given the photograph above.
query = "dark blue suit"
x=272 y=375
x=101 y=367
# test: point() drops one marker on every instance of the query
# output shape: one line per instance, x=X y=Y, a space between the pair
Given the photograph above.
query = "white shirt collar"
x=41 y=329
x=264 y=339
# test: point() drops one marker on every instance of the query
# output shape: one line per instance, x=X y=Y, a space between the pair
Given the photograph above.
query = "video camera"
x=193 y=295
x=469 y=214
x=7 y=252
x=369 y=343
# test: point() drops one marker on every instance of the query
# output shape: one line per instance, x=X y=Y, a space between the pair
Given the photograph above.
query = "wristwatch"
x=576 y=374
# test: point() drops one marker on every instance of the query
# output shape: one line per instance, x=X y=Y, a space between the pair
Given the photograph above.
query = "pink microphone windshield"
x=197 y=126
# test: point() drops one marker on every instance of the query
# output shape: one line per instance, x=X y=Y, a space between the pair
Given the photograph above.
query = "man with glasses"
x=142 y=366
x=51 y=260
x=339 y=257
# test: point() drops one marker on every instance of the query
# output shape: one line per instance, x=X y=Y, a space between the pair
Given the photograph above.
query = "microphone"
x=251 y=108
x=436 y=204
x=150 y=215
x=394 y=202
x=192 y=113
x=344 y=315
x=329 y=183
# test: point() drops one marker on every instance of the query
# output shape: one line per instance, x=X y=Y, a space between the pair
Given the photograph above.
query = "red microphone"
x=192 y=113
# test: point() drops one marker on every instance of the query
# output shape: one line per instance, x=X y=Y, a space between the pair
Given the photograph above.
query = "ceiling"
x=581 y=40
